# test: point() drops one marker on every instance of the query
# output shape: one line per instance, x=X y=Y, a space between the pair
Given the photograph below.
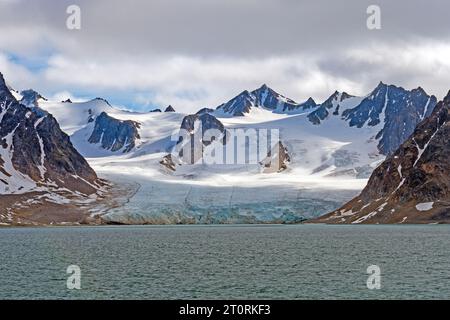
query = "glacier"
x=331 y=159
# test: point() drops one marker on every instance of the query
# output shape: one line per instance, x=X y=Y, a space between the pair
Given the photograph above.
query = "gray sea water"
x=226 y=262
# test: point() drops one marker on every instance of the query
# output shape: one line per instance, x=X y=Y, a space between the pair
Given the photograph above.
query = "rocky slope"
x=113 y=134
x=331 y=105
x=392 y=110
x=35 y=152
x=413 y=184
x=317 y=166
x=169 y=109
x=398 y=109
x=195 y=127
x=31 y=98
x=262 y=97
x=277 y=159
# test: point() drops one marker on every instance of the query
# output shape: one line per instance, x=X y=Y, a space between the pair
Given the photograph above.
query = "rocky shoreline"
x=62 y=208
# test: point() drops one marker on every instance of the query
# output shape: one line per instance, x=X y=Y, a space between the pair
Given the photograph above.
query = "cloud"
x=196 y=53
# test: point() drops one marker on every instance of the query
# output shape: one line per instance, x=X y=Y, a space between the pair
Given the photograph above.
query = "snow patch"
x=424 y=206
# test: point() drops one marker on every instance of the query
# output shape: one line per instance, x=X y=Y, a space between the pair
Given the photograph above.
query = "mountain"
x=277 y=159
x=322 y=157
x=413 y=184
x=205 y=110
x=332 y=105
x=264 y=97
x=398 y=109
x=393 y=111
x=239 y=105
x=113 y=134
x=169 y=109
x=31 y=98
x=192 y=124
x=35 y=154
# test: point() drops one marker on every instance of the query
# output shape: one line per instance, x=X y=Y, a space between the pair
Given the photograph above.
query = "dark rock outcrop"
x=168 y=163
x=413 y=184
x=206 y=120
x=276 y=160
x=264 y=97
x=331 y=105
x=169 y=109
x=307 y=105
x=156 y=110
x=395 y=110
x=269 y=99
x=33 y=149
x=239 y=105
x=204 y=110
x=191 y=151
x=30 y=98
x=400 y=110
x=114 y=134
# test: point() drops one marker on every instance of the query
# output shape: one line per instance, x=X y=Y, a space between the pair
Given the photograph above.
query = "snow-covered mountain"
x=394 y=111
x=35 y=155
x=325 y=153
x=113 y=134
x=31 y=98
x=264 y=97
x=413 y=184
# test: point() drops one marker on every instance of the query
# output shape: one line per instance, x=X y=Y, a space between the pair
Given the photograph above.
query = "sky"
x=201 y=53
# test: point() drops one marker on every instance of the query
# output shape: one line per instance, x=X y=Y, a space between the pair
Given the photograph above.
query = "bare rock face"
x=413 y=184
x=263 y=97
x=276 y=160
x=191 y=150
x=331 y=105
x=30 y=98
x=168 y=163
x=169 y=109
x=395 y=110
x=205 y=110
x=207 y=121
x=400 y=110
x=197 y=141
x=114 y=134
x=35 y=152
x=239 y=105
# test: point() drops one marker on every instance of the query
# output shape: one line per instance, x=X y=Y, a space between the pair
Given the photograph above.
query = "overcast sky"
x=197 y=53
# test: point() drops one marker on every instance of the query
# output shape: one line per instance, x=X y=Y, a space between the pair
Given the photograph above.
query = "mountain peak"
x=310 y=100
x=264 y=87
x=114 y=134
x=5 y=93
x=31 y=98
x=447 y=98
x=380 y=87
x=410 y=181
x=103 y=100
x=169 y=109
x=2 y=80
x=46 y=157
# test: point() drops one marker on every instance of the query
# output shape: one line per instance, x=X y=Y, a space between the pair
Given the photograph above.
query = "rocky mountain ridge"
x=413 y=184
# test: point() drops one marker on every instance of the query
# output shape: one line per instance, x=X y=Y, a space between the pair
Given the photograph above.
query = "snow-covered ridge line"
x=333 y=148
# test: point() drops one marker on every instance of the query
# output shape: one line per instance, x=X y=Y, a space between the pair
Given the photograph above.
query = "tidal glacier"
x=333 y=148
